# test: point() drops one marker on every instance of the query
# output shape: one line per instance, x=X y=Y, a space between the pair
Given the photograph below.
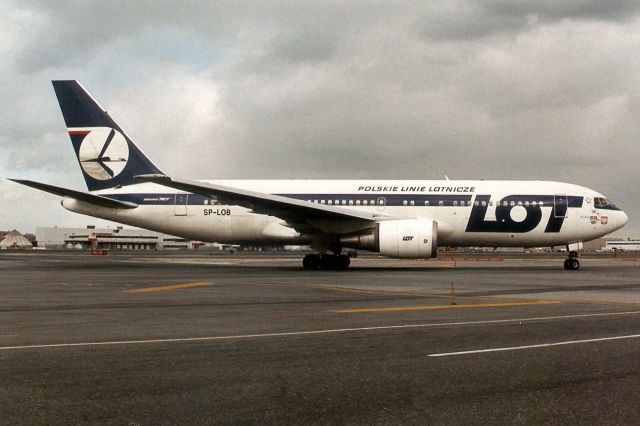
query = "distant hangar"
x=108 y=239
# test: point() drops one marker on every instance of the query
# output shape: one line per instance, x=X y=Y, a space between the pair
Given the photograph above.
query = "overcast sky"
x=543 y=90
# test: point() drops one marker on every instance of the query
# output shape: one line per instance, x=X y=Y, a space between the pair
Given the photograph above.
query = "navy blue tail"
x=107 y=157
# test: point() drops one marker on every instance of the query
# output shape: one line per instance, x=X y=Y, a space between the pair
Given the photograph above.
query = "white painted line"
x=543 y=345
x=310 y=332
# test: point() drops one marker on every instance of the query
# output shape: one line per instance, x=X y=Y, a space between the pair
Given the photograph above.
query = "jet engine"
x=403 y=239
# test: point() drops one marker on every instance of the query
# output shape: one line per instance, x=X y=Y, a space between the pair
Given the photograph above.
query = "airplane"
x=407 y=219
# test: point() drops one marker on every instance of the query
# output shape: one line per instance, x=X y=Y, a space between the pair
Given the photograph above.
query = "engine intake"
x=402 y=238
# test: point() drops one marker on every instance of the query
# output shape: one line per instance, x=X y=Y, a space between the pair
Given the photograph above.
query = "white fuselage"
x=468 y=213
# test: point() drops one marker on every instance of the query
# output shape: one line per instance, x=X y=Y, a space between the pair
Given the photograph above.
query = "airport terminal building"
x=622 y=245
x=109 y=239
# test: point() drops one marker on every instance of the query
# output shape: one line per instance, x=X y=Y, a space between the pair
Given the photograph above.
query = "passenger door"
x=180 y=206
x=560 y=205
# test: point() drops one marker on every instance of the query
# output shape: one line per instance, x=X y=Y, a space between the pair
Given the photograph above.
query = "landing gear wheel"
x=572 y=264
x=343 y=261
x=326 y=261
x=311 y=261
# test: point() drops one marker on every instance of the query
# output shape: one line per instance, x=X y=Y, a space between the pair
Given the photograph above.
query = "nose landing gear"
x=572 y=263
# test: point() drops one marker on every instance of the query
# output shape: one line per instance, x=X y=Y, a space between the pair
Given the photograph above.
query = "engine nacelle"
x=402 y=238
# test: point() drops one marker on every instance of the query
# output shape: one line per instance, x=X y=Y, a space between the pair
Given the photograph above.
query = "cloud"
x=464 y=20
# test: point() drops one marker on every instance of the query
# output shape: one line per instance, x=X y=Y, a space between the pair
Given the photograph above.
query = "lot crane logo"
x=103 y=153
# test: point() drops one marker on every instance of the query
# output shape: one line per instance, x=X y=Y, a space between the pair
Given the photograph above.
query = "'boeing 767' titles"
x=399 y=219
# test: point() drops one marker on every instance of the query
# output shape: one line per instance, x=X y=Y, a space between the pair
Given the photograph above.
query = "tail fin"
x=106 y=155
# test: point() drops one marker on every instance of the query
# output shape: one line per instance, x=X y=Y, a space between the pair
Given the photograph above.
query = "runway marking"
x=436 y=307
x=381 y=292
x=168 y=287
x=310 y=332
x=542 y=345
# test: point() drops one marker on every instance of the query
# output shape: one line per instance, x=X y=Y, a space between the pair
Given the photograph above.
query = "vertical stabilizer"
x=106 y=155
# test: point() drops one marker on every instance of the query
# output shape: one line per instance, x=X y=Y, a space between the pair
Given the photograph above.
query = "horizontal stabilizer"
x=78 y=195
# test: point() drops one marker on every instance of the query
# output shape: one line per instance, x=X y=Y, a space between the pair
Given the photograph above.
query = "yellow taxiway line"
x=436 y=307
x=168 y=287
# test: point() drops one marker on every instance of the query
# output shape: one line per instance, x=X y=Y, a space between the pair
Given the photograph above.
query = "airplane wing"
x=78 y=195
x=304 y=216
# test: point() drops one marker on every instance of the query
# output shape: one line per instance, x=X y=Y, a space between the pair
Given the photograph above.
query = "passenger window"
x=364 y=203
x=344 y=202
x=534 y=203
x=526 y=204
x=476 y=203
x=321 y=201
x=357 y=202
x=350 y=202
x=541 y=203
x=413 y=203
x=426 y=203
x=513 y=203
x=455 y=203
x=330 y=202
x=519 y=203
x=404 y=203
x=440 y=203
x=484 y=204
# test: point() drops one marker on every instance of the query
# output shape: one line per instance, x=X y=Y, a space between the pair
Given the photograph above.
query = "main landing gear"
x=326 y=261
x=572 y=263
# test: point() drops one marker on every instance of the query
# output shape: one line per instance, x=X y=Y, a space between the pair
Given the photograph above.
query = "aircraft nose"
x=622 y=219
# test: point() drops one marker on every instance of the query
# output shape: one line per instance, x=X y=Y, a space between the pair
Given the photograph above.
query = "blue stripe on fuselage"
x=430 y=200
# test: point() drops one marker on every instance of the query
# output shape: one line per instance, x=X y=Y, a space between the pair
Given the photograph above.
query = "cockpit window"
x=600 y=202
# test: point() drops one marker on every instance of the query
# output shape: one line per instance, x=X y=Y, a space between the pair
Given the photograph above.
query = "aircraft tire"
x=343 y=262
x=328 y=262
x=311 y=261
x=572 y=264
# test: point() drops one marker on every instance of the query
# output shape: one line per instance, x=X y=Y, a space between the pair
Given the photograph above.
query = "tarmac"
x=203 y=338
